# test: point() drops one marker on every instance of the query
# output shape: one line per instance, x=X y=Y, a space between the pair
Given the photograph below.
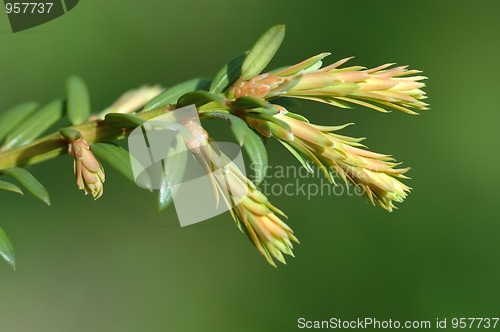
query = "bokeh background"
x=115 y=265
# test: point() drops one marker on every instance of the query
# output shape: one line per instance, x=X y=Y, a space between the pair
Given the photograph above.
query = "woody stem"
x=54 y=145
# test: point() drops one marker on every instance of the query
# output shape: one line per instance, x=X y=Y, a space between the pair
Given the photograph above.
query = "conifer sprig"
x=244 y=97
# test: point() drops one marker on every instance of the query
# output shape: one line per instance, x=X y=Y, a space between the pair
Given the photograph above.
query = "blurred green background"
x=115 y=265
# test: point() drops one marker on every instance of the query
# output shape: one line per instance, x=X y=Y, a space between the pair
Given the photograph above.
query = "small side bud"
x=88 y=171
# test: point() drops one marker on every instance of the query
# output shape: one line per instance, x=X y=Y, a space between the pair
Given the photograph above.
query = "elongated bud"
x=336 y=154
x=377 y=88
x=375 y=173
x=88 y=171
x=249 y=207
